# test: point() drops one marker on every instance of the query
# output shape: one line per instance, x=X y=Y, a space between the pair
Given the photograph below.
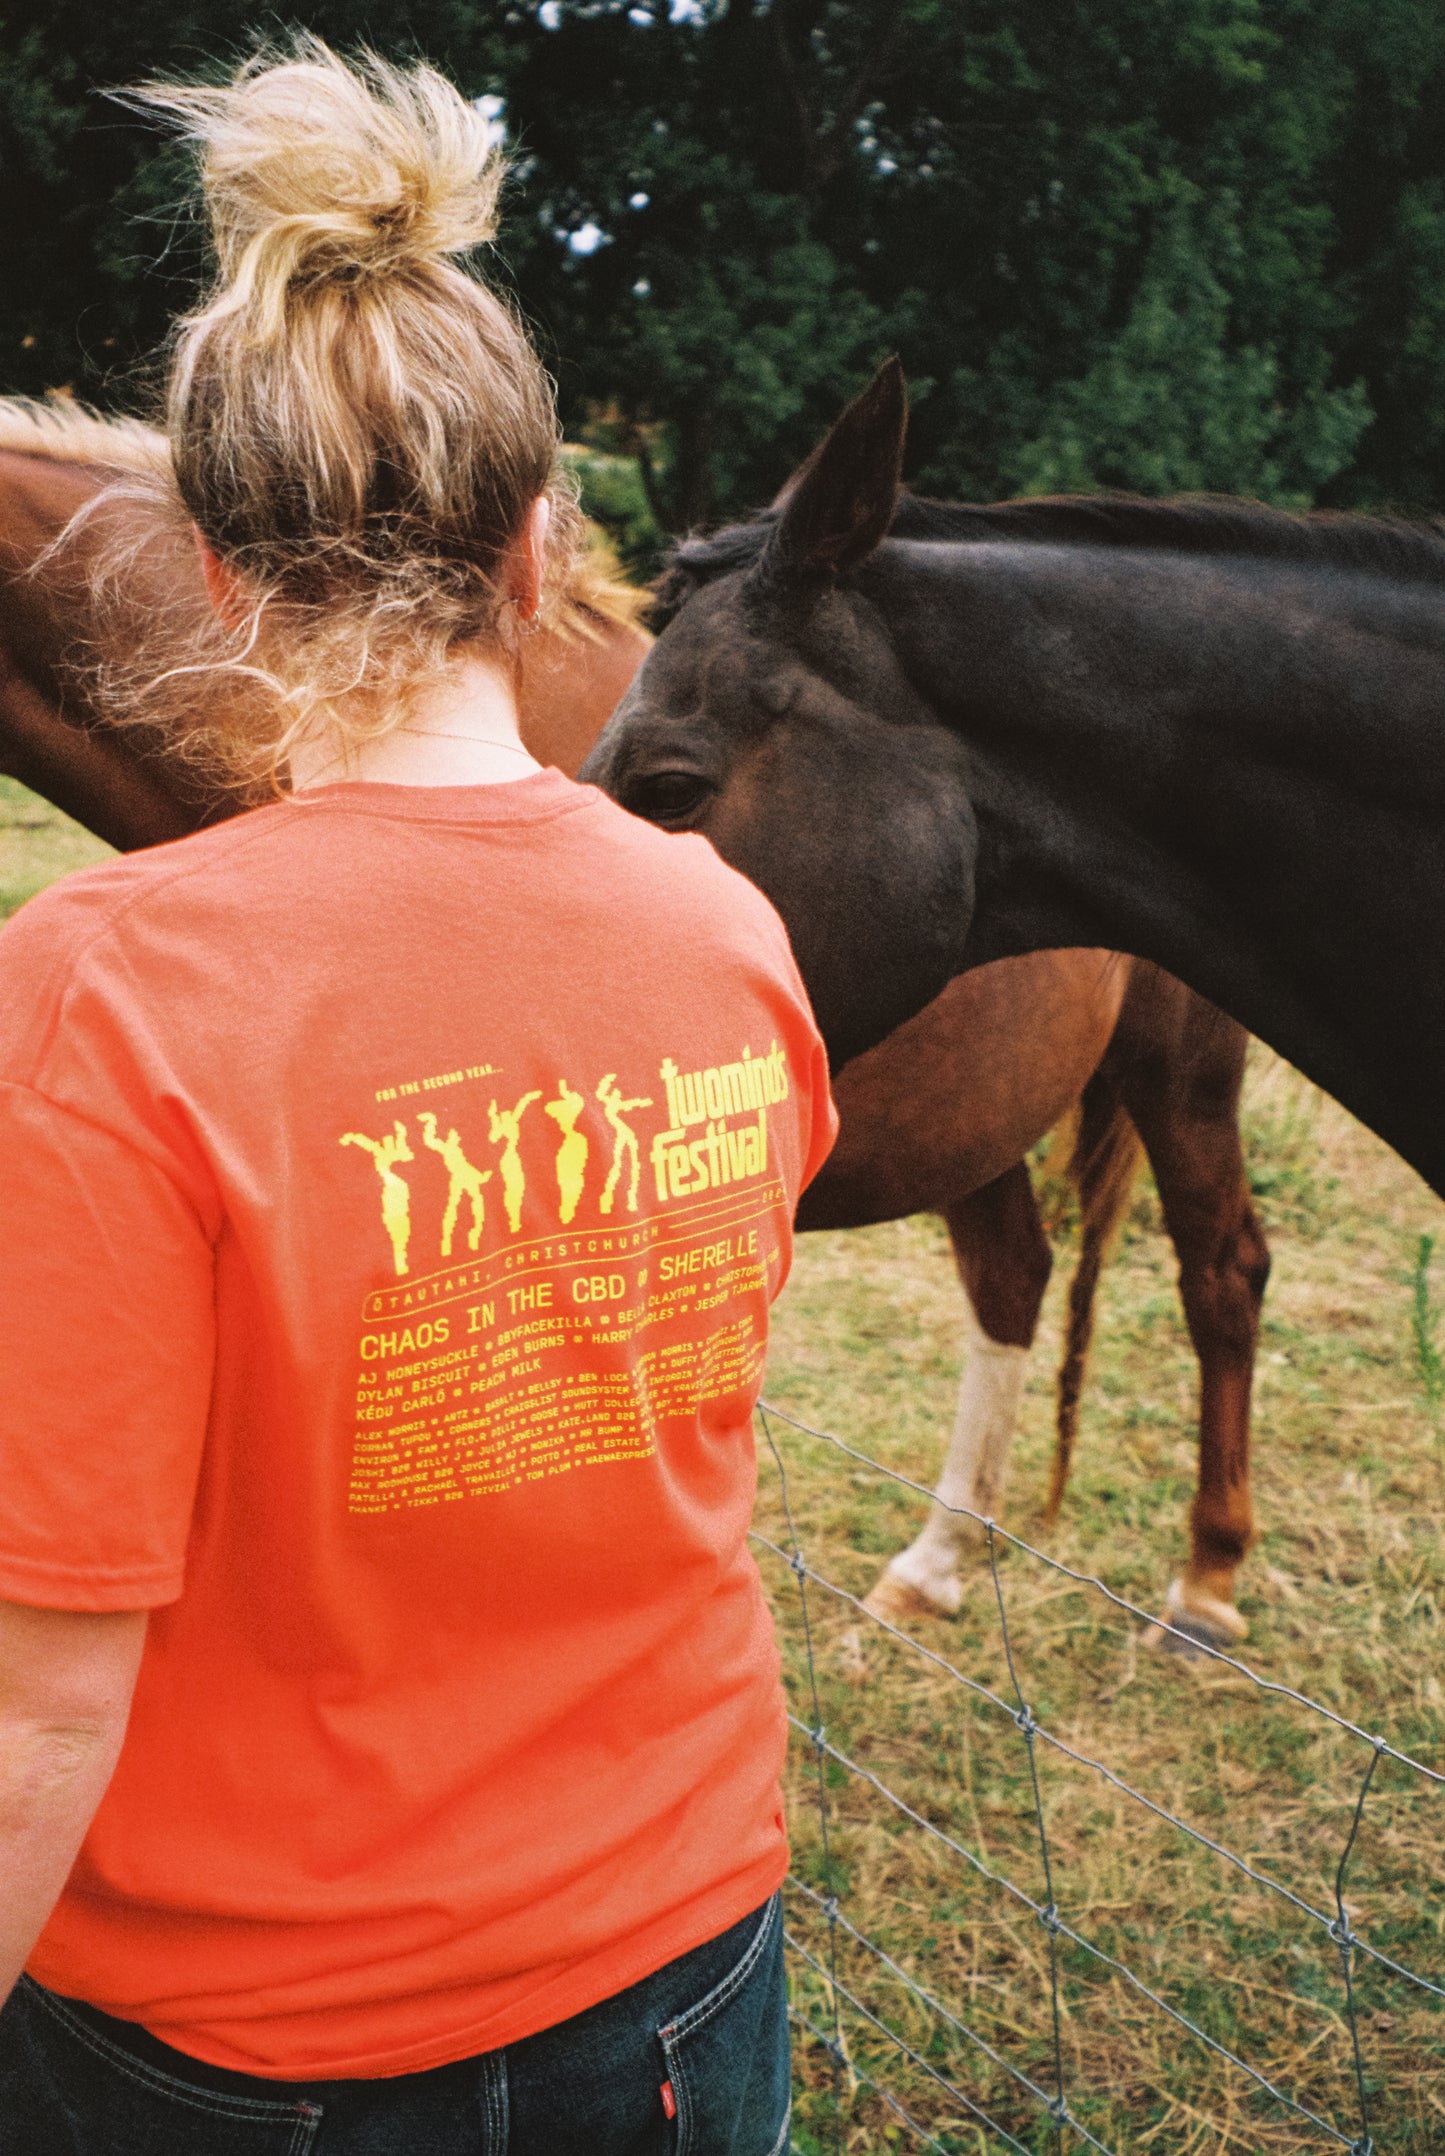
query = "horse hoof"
x=1183 y=1637
x=852 y=1661
x=896 y=1600
x=1198 y=1620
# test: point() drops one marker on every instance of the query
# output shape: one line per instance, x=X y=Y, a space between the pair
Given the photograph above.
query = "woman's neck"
x=462 y=732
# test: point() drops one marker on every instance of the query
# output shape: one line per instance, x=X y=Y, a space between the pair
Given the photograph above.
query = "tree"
x=1152 y=243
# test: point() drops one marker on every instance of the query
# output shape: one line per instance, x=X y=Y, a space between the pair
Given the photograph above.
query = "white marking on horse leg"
x=923 y=1579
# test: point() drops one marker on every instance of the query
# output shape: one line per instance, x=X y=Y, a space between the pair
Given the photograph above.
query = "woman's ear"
x=224 y=588
x=528 y=566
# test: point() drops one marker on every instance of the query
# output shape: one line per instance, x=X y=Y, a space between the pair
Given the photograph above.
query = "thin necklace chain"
x=480 y=741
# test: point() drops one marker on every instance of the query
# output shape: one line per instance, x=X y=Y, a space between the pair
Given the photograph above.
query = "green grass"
x=1344 y=1592
x=37 y=844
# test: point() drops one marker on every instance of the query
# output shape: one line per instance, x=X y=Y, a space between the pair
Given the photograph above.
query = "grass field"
x=37 y=844
x=1344 y=1594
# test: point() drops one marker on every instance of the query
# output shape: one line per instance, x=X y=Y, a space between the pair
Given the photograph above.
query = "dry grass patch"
x=1343 y=1591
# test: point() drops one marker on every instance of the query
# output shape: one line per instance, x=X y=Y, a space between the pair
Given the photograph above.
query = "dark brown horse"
x=939 y=1118
x=1211 y=734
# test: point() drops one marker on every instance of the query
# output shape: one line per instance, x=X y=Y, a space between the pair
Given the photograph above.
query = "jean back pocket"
x=77 y=2091
x=727 y=2056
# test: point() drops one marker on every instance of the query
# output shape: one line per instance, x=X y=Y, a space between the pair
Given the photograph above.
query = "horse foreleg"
x=1192 y=1139
x=1003 y=1261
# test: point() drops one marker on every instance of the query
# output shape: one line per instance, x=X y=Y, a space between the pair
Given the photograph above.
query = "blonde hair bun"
x=314 y=169
x=357 y=424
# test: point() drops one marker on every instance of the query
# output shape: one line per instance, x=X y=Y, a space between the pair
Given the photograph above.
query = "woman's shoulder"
x=683 y=865
x=74 y=931
x=677 y=887
x=61 y=920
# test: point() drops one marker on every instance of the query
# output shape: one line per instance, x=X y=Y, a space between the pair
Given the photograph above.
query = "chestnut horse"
x=980 y=1074
x=938 y=1118
x=54 y=461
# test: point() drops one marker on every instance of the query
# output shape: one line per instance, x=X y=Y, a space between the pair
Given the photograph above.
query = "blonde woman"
x=390 y=1729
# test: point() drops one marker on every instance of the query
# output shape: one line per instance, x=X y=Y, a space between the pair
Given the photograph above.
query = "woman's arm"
x=66 y=1679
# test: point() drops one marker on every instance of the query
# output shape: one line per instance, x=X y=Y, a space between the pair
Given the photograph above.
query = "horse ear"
x=839 y=504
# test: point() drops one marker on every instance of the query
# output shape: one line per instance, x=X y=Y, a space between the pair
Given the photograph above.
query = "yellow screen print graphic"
x=730 y=1100
x=624 y=1142
x=395 y=1191
x=570 y=1346
x=572 y=1351
x=686 y=1166
x=506 y=1129
x=466 y=1182
x=571 y=1153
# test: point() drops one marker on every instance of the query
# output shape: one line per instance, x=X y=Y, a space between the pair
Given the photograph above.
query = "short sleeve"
x=811 y=1066
x=823 y=1115
x=107 y=1302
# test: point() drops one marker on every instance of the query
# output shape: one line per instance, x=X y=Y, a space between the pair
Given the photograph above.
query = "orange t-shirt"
x=395 y=1184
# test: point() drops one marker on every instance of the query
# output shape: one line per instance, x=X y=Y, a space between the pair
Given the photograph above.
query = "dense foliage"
x=1162 y=244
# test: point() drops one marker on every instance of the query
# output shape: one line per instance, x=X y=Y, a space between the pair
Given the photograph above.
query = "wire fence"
x=852 y=1994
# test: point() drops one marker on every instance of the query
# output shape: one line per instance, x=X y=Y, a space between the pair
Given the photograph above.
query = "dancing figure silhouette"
x=466 y=1181
x=572 y=1152
x=395 y=1191
x=624 y=1144
x=506 y=1132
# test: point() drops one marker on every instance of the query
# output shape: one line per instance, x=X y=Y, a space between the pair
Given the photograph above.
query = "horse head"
x=774 y=717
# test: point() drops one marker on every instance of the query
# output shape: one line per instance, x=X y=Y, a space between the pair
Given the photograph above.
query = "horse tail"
x=1102 y=1166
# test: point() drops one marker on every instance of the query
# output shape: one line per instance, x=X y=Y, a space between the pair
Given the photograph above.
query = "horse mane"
x=1374 y=545
x=70 y=433
x=1192 y=524
x=600 y=596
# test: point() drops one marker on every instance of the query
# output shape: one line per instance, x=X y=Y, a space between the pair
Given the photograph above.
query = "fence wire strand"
x=942 y=2080
x=926 y=1998
x=1107 y=1774
x=1052 y=2104
x=821 y=2037
x=1189 y=1640
x=800 y=1573
x=1075 y=1938
x=1049 y=1915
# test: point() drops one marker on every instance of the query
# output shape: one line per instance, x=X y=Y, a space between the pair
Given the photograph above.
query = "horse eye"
x=667 y=797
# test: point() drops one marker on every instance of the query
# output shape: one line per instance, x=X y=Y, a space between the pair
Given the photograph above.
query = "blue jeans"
x=693 y=2061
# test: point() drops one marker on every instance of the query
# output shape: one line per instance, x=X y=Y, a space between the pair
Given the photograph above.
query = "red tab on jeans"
x=669 y=2101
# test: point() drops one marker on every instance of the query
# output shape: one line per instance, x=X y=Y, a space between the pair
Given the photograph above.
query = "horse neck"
x=1231 y=766
x=107 y=781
